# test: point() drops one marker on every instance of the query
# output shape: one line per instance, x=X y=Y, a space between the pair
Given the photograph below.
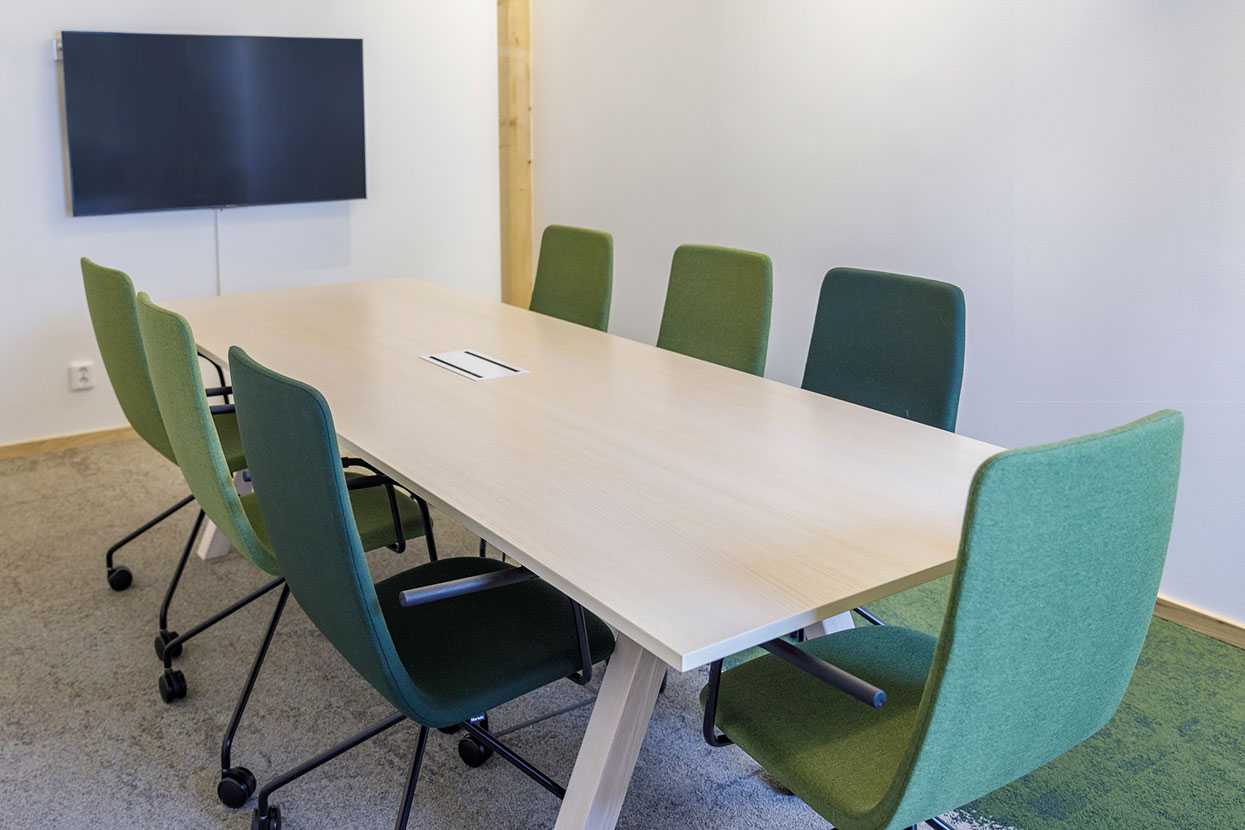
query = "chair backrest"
x=889 y=342
x=718 y=306
x=1060 y=558
x=291 y=445
x=114 y=316
x=174 y=363
x=575 y=276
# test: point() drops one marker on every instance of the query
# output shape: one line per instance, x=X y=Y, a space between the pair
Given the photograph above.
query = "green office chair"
x=440 y=655
x=889 y=342
x=382 y=516
x=114 y=316
x=575 y=276
x=574 y=280
x=718 y=306
x=1074 y=529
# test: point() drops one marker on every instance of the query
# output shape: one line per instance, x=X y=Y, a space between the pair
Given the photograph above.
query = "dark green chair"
x=889 y=342
x=575 y=276
x=1074 y=530
x=114 y=317
x=718 y=306
x=383 y=517
x=439 y=654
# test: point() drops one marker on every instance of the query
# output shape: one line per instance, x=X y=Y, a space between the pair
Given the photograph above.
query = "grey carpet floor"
x=85 y=740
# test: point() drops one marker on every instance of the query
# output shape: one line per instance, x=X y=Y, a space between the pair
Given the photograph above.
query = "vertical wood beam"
x=514 y=74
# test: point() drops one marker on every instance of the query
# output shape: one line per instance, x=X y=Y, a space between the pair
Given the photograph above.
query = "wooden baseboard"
x=1228 y=631
x=57 y=443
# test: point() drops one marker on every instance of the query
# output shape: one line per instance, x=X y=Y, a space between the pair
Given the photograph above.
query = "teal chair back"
x=297 y=472
x=1061 y=553
x=889 y=342
x=114 y=317
x=718 y=306
x=178 y=386
x=575 y=276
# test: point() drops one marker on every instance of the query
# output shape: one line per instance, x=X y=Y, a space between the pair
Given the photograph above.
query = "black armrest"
x=828 y=673
x=467 y=585
x=218 y=391
x=222 y=409
x=380 y=480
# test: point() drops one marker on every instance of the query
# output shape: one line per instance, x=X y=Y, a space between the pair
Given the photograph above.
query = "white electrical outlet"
x=81 y=375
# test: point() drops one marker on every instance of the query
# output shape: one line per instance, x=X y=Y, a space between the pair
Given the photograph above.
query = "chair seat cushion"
x=372 y=516
x=230 y=440
x=834 y=752
x=474 y=652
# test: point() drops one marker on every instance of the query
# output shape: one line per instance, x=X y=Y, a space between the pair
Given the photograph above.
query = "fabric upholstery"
x=288 y=433
x=575 y=276
x=114 y=317
x=889 y=342
x=1071 y=531
x=718 y=306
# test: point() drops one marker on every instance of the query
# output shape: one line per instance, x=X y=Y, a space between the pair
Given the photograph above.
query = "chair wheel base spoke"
x=236 y=787
x=162 y=640
x=120 y=578
x=269 y=821
x=172 y=685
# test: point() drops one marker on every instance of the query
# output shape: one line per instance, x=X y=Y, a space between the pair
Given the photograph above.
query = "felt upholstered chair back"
x=187 y=416
x=575 y=276
x=296 y=469
x=114 y=317
x=718 y=306
x=1061 y=553
x=889 y=342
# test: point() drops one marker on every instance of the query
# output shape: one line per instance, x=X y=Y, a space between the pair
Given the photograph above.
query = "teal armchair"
x=1008 y=685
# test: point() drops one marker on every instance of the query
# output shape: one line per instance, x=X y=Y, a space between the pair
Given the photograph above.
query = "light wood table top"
x=697 y=509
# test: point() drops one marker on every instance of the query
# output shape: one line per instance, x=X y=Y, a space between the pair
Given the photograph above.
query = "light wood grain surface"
x=697 y=509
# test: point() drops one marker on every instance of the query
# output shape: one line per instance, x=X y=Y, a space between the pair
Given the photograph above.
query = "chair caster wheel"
x=172 y=685
x=474 y=753
x=236 y=787
x=271 y=821
x=120 y=578
x=163 y=639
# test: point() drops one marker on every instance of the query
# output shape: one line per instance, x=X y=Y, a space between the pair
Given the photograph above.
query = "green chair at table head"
x=440 y=655
x=1074 y=530
x=718 y=306
x=889 y=342
x=575 y=276
x=384 y=518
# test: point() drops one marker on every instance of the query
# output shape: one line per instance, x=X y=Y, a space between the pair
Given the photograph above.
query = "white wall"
x=1077 y=166
x=430 y=74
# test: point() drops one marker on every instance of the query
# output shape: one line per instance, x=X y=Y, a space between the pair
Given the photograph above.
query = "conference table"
x=698 y=510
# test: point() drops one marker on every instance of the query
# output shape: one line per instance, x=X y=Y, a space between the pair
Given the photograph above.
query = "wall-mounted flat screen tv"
x=161 y=122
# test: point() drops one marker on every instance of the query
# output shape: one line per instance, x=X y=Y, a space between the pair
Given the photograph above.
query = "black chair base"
x=119 y=576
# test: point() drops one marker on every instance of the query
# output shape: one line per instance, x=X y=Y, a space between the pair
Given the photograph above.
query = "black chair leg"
x=165 y=637
x=237 y=784
x=119 y=576
x=520 y=763
x=938 y=824
x=868 y=616
x=172 y=684
x=268 y=816
x=404 y=814
x=483 y=548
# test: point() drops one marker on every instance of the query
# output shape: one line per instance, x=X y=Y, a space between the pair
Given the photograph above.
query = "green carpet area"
x=1174 y=756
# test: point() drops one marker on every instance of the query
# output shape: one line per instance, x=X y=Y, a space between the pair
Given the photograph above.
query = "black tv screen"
x=159 y=122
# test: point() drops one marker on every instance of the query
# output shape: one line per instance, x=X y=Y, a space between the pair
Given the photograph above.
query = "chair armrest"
x=222 y=409
x=222 y=389
x=381 y=480
x=828 y=673
x=412 y=597
x=218 y=391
